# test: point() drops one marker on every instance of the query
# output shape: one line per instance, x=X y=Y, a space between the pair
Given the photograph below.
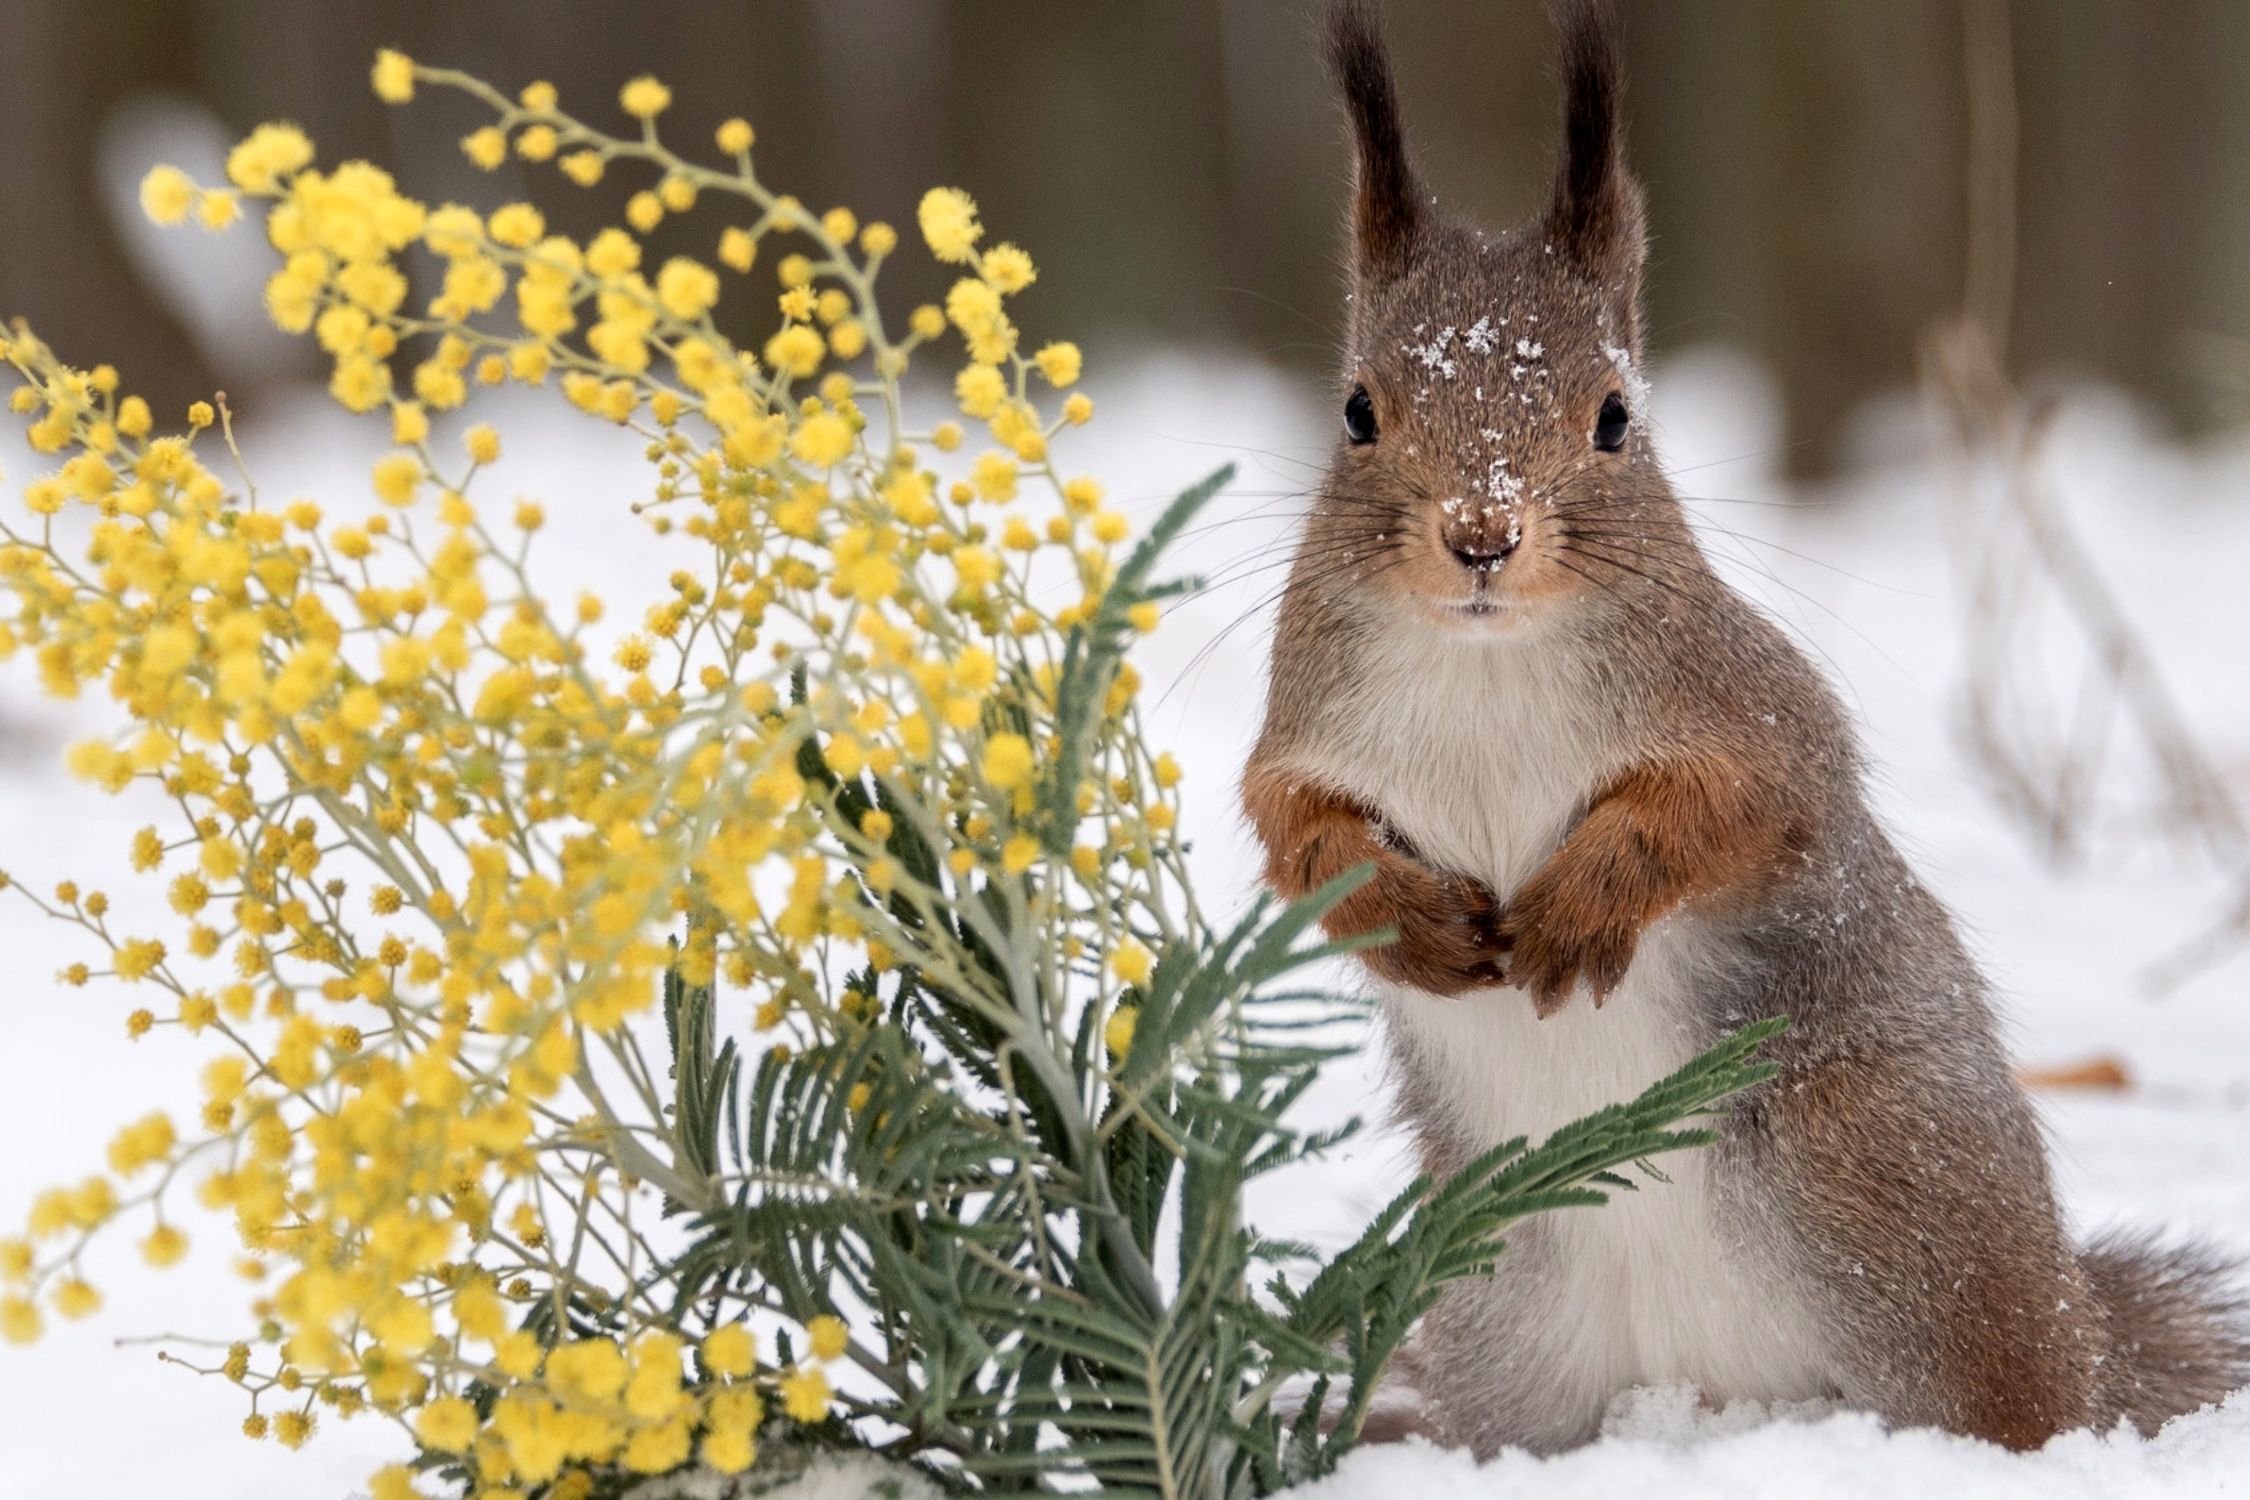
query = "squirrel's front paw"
x=1448 y=932
x=1552 y=947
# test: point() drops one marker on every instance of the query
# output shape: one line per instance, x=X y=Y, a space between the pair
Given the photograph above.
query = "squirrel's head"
x=1492 y=445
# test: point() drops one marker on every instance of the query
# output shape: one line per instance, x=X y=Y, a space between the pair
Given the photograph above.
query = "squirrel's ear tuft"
x=1595 y=218
x=1388 y=208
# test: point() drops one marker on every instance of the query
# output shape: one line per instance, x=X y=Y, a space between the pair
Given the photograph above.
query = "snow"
x=1432 y=355
x=1859 y=571
x=1636 y=384
x=826 y=1477
x=1661 y=1441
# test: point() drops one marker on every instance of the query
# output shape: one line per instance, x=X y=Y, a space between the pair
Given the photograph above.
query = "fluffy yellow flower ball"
x=823 y=440
x=267 y=154
x=827 y=1336
x=644 y=98
x=1008 y=269
x=1007 y=761
x=949 y=222
x=76 y=1299
x=448 y=1423
x=164 y=1246
x=1060 y=363
x=730 y=1351
x=972 y=305
x=686 y=288
x=167 y=195
x=393 y=77
x=517 y=224
x=19 y=1320
x=805 y=1395
x=730 y=1451
x=980 y=389
x=1130 y=962
x=487 y=147
x=612 y=254
x=796 y=350
x=1117 y=1031
x=396 y=477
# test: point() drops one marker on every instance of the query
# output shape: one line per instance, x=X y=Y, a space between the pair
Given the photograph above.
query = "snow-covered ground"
x=1859 y=570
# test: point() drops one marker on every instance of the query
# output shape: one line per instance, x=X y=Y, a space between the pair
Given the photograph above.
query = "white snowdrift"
x=1661 y=1441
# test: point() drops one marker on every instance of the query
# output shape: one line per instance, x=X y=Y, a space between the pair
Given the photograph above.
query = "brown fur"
x=1387 y=197
x=1970 y=1310
x=1444 y=943
x=1891 y=1178
x=2174 y=1321
x=1692 y=827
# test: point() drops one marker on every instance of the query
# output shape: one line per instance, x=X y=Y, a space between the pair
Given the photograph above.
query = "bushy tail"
x=2179 y=1330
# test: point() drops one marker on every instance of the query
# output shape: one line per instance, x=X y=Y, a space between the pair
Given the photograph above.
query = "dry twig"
x=2017 y=555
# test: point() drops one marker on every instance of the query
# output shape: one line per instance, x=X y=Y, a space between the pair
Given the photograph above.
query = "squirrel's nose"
x=1479 y=555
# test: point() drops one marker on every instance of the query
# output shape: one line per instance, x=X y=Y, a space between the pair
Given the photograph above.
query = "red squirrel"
x=1613 y=812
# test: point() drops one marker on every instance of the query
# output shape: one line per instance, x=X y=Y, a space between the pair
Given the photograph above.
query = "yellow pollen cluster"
x=434 y=836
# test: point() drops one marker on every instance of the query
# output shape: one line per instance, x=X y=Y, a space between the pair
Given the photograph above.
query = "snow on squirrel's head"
x=1493 y=463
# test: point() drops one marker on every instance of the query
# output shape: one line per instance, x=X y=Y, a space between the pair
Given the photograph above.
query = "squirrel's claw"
x=1548 y=960
x=1448 y=934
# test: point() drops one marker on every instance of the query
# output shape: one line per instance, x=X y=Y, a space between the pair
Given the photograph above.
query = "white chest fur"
x=1479 y=750
x=1483 y=753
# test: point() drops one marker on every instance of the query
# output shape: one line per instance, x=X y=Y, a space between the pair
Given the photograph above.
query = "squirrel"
x=1611 y=813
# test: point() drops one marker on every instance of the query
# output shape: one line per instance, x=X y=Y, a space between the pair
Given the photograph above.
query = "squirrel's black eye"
x=1609 y=427
x=1359 y=416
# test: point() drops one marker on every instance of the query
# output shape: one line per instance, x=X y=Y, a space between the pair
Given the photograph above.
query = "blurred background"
x=1950 y=319
x=1806 y=164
